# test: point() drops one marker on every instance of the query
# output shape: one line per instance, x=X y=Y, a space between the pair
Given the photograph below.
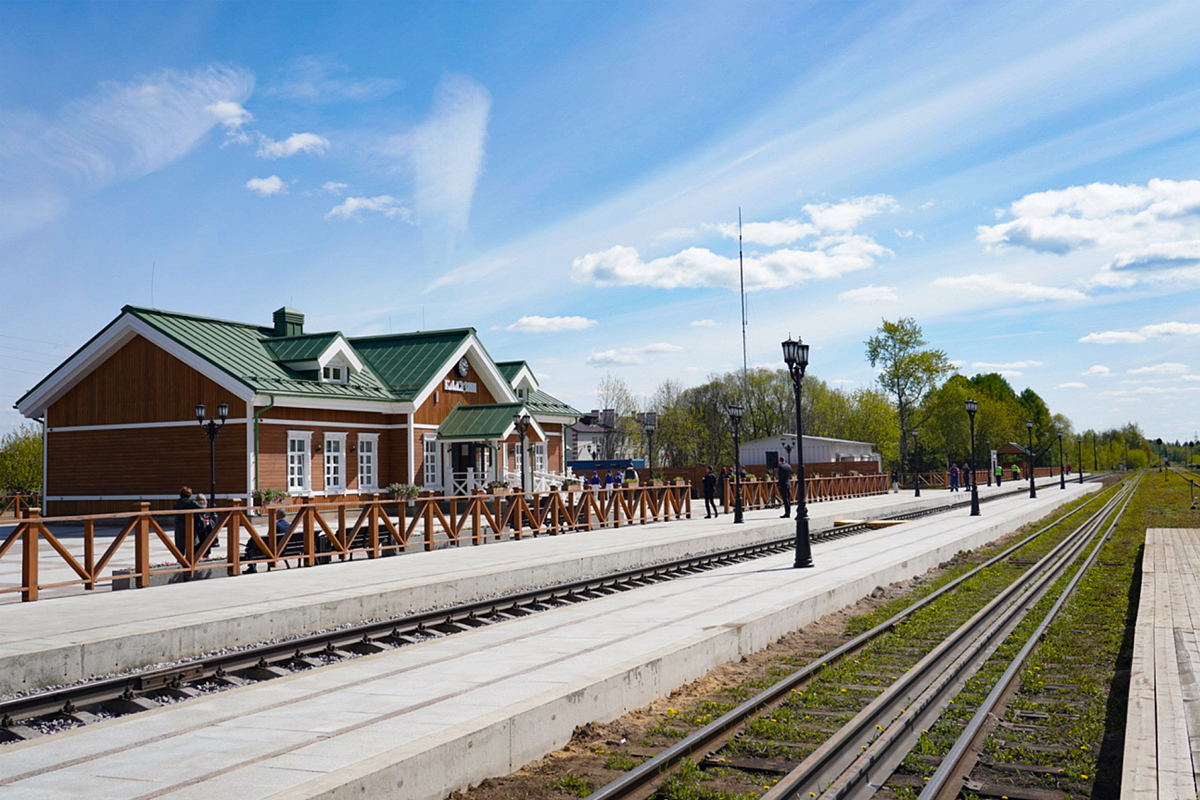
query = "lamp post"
x=1032 y=485
x=1062 y=475
x=211 y=429
x=1079 y=444
x=1095 y=457
x=916 y=467
x=972 y=407
x=649 y=424
x=795 y=355
x=787 y=447
x=521 y=422
x=735 y=417
x=1160 y=454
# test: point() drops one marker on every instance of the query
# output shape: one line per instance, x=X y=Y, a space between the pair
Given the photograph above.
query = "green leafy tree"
x=21 y=460
x=909 y=371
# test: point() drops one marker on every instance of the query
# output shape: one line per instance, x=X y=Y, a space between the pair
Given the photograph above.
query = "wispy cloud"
x=119 y=132
x=1151 y=232
x=384 y=204
x=1072 y=386
x=1161 y=369
x=836 y=252
x=1098 y=369
x=230 y=114
x=997 y=284
x=265 y=187
x=322 y=79
x=1010 y=365
x=1145 y=333
x=334 y=188
x=632 y=355
x=296 y=143
x=870 y=294
x=535 y=324
x=704 y=323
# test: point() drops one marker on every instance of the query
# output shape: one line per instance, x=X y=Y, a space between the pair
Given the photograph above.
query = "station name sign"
x=466 y=387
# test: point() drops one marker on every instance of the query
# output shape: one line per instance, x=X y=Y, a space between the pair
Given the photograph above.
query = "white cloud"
x=870 y=294
x=632 y=355
x=704 y=323
x=315 y=79
x=445 y=152
x=771 y=234
x=334 y=188
x=1072 y=386
x=296 y=143
x=122 y=131
x=535 y=324
x=265 y=187
x=846 y=215
x=383 y=204
x=1190 y=377
x=908 y=234
x=1161 y=369
x=1012 y=365
x=1097 y=370
x=1144 y=333
x=995 y=283
x=230 y=114
x=1150 y=233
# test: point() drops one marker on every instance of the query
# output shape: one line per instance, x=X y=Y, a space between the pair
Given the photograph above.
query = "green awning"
x=489 y=422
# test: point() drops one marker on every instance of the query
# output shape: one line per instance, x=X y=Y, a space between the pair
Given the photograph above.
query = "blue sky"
x=1021 y=178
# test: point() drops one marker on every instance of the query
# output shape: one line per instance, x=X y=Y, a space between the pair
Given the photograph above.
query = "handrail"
x=321 y=530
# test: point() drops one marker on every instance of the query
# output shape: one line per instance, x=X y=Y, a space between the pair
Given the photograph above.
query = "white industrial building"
x=817 y=449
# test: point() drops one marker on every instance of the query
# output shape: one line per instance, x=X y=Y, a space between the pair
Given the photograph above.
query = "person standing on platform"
x=785 y=488
x=710 y=494
x=186 y=502
x=954 y=477
x=999 y=472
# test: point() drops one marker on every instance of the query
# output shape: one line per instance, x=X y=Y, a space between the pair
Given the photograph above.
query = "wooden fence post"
x=141 y=546
x=29 y=556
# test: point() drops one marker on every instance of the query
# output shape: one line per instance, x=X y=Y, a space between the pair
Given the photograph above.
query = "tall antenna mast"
x=742 y=285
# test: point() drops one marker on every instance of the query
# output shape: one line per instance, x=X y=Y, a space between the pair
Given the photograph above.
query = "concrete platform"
x=1162 y=729
x=428 y=719
x=69 y=639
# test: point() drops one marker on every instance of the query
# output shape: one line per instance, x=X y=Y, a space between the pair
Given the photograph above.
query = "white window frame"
x=335 y=457
x=368 y=462
x=431 y=471
x=302 y=460
x=539 y=457
x=335 y=371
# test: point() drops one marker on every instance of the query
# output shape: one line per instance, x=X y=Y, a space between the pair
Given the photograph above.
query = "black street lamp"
x=787 y=446
x=1032 y=486
x=1161 y=450
x=916 y=467
x=1062 y=474
x=1079 y=444
x=972 y=407
x=211 y=429
x=649 y=424
x=1095 y=457
x=795 y=355
x=521 y=422
x=735 y=417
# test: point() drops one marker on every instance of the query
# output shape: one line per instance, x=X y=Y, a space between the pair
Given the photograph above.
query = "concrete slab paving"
x=427 y=719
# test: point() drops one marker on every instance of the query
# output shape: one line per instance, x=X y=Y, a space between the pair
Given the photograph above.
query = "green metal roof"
x=479 y=422
x=509 y=369
x=541 y=403
x=308 y=347
x=407 y=362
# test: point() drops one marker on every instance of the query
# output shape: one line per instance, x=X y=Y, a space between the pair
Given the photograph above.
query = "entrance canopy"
x=486 y=422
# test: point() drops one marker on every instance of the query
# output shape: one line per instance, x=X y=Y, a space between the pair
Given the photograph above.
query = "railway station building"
x=309 y=414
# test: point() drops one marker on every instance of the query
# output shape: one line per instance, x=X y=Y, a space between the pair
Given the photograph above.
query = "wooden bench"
x=1162 y=729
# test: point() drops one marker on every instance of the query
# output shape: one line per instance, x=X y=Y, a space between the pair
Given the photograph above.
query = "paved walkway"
x=428 y=719
x=1162 y=733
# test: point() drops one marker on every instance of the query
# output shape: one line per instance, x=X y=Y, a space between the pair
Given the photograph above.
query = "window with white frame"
x=335 y=468
x=431 y=460
x=335 y=371
x=539 y=457
x=368 y=445
x=298 y=460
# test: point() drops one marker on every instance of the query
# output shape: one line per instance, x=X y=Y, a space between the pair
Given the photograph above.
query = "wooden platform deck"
x=1162 y=734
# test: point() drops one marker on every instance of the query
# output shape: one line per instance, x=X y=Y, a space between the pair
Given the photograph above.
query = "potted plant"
x=572 y=485
x=403 y=491
x=498 y=487
x=265 y=498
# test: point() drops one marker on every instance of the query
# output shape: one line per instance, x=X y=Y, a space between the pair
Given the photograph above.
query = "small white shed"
x=817 y=449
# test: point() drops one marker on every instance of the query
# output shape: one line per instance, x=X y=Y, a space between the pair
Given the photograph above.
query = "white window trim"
x=341 y=439
x=306 y=436
x=437 y=461
x=373 y=438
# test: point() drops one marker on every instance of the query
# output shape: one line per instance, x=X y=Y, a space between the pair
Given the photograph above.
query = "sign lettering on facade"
x=466 y=387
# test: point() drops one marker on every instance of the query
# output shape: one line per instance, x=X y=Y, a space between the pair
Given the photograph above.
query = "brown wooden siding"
x=140 y=382
x=272 y=448
x=143 y=461
x=432 y=413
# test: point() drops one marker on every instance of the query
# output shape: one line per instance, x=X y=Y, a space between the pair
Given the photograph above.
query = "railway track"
x=33 y=714
x=776 y=732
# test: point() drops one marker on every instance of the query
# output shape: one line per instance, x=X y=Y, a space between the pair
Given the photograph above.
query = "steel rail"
x=946 y=781
x=876 y=740
x=638 y=782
